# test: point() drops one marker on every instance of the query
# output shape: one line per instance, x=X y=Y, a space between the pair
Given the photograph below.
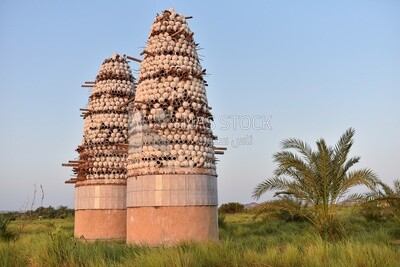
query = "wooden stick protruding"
x=189 y=36
x=134 y=59
x=147 y=53
x=178 y=32
x=126 y=103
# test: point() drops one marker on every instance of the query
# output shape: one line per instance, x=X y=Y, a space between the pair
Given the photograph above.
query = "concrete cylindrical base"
x=170 y=225
x=171 y=208
x=100 y=211
x=100 y=224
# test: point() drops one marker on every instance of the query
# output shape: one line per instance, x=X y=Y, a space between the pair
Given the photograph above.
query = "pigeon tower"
x=100 y=182
x=172 y=179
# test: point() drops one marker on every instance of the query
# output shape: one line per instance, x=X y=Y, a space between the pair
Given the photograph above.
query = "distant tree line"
x=61 y=212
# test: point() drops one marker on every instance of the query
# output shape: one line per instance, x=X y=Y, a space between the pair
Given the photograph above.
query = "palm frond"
x=276 y=183
x=387 y=191
x=350 y=163
x=343 y=146
x=300 y=171
x=360 y=177
x=324 y=171
x=396 y=186
x=302 y=147
x=292 y=165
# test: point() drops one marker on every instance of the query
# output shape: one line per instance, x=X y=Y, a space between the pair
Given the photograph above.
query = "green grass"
x=244 y=241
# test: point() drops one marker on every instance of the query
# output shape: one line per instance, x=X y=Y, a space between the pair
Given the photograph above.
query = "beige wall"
x=100 y=212
x=156 y=226
x=103 y=196
x=100 y=224
x=172 y=190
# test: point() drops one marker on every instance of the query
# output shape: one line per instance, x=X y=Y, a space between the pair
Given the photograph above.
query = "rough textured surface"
x=103 y=152
x=170 y=129
x=100 y=224
x=156 y=226
x=172 y=190
x=100 y=197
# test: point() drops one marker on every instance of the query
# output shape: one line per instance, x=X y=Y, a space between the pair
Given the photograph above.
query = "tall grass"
x=243 y=242
x=4 y=222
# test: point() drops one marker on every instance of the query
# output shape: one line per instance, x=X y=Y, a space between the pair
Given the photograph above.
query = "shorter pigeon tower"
x=100 y=182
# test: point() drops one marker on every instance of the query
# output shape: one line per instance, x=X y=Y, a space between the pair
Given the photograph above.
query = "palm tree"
x=315 y=180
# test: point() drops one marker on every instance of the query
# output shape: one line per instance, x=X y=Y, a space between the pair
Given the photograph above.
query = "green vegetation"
x=231 y=207
x=4 y=221
x=384 y=201
x=245 y=240
x=52 y=213
x=310 y=183
x=305 y=226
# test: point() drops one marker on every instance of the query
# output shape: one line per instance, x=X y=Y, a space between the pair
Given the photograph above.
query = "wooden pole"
x=178 y=32
x=119 y=151
x=70 y=164
x=134 y=59
x=87 y=85
x=71 y=181
x=198 y=75
x=189 y=36
x=122 y=145
x=126 y=103
x=147 y=52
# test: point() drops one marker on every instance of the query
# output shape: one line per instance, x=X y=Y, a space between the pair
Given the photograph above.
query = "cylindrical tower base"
x=94 y=225
x=170 y=225
x=171 y=208
x=100 y=210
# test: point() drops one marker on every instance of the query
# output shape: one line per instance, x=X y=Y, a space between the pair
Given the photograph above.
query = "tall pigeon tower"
x=100 y=182
x=172 y=179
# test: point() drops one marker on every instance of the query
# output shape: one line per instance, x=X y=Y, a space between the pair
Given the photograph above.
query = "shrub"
x=4 y=221
x=231 y=207
x=221 y=220
x=373 y=212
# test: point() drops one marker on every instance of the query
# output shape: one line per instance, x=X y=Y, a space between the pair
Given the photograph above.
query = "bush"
x=371 y=211
x=231 y=207
x=4 y=221
x=49 y=212
x=221 y=220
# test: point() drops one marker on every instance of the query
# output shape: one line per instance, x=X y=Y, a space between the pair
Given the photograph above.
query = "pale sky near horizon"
x=310 y=69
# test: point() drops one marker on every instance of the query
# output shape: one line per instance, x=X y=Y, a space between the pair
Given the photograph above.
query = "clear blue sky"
x=316 y=67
